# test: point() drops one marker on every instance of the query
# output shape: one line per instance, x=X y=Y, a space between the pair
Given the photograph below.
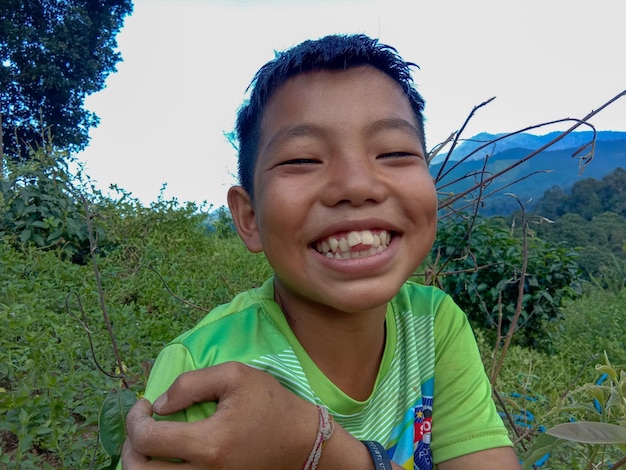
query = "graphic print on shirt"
x=423 y=426
x=410 y=440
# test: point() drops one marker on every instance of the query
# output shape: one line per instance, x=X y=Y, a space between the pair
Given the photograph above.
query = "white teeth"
x=376 y=241
x=367 y=238
x=334 y=244
x=333 y=247
x=354 y=239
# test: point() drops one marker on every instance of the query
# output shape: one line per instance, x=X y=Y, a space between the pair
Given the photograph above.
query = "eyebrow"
x=303 y=130
x=312 y=130
x=390 y=124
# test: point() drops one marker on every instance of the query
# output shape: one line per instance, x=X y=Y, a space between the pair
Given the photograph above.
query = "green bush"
x=39 y=204
x=156 y=264
x=482 y=272
x=590 y=326
x=48 y=386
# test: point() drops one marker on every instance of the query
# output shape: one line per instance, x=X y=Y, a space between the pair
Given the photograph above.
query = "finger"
x=201 y=385
x=144 y=432
x=163 y=439
x=140 y=412
x=132 y=460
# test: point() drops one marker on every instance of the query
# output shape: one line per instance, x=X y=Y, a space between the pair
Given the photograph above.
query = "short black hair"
x=335 y=52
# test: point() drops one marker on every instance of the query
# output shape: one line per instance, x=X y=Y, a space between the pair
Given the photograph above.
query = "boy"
x=335 y=190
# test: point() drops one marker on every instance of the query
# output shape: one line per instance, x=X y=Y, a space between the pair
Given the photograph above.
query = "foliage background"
x=157 y=262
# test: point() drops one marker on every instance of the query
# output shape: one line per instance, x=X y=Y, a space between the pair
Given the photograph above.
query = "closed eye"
x=397 y=155
x=299 y=161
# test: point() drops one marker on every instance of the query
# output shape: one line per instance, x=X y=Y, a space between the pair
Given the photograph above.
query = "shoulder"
x=421 y=300
x=430 y=308
x=225 y=333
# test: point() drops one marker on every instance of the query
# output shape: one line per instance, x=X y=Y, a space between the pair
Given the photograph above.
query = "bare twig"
x=177 y=297
x=85 y=324
x=105 y=314
x=520 y=297
x=619 y=464
x=458 y=134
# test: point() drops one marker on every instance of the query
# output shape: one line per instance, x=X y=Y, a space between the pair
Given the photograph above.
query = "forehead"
x=337 y=98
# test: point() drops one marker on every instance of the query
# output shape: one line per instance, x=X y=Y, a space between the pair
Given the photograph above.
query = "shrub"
x=39 y=207
x=485 y=270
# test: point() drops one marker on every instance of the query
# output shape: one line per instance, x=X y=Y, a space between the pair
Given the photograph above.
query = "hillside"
x=553 y=167
x=573 y=140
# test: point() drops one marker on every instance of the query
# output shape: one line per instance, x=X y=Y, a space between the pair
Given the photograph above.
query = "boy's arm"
x=258 y=424
x=499 y=458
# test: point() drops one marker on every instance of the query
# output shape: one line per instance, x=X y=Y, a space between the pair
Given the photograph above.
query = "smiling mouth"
x=355 y=244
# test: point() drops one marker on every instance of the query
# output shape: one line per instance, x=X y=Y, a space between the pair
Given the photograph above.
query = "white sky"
x=187 y=64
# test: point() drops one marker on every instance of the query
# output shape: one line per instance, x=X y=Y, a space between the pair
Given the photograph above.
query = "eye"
x=299 y=161
x=397 y=155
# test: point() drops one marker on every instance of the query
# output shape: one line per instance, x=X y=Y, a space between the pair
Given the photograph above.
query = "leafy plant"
x=590 y=325
x=596 y=423
x=38 y=204
x=483 y=269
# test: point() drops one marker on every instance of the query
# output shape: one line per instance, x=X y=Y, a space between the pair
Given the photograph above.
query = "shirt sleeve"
x=172 y=361
x=465 y=419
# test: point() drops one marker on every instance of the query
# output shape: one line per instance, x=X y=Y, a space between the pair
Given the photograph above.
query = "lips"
x=354 y=244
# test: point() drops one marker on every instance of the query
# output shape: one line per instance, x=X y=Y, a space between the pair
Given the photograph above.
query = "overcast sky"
x=186 y=65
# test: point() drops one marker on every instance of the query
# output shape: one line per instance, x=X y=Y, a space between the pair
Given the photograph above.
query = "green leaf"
x=584 y=407
x=541 y=446
x=25 y=235
x=590 y=432
x=38 y=239
x=54 y=235
x=606 y=369
x=615 y=399
x=112 y=421
x=39 y=224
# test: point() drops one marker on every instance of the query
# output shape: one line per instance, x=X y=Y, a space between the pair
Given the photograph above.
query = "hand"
x=258 y=424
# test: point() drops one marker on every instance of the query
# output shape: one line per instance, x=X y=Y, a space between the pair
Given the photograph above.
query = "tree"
x=53 y=53
x=553 y=204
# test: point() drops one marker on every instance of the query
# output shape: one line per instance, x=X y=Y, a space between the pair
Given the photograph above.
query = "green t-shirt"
x=431 y=401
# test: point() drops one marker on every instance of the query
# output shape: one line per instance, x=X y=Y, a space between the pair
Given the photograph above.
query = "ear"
x=244 y=217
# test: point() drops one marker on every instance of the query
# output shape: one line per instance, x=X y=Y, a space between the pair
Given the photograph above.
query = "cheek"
x=424 y=198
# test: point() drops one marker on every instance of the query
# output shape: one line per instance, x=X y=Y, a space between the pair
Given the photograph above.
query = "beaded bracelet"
x=326 y=428
x=379 y=455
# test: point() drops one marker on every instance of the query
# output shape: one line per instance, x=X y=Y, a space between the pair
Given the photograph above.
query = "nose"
x=354 y=180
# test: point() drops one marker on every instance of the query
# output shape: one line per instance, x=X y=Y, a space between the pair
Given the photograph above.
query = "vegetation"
x=53 y=54
x=162 y=267
x=591 y=217
x=483 y=273
x=51 y=390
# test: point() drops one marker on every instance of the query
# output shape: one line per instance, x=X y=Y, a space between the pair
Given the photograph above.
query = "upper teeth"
x=339 y=247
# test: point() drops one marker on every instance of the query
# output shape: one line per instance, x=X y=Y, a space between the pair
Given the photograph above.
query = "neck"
x=346 y=347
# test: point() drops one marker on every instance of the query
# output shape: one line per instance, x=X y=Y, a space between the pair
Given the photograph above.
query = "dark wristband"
x=379 y=455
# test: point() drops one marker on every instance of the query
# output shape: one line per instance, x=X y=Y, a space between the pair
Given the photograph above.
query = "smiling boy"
x=336 y=192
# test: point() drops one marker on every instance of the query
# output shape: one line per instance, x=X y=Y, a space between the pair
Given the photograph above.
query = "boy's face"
x=345 y=208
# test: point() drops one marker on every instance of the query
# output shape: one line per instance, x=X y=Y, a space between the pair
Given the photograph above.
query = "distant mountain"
x=573 y=140
x=553 y=167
